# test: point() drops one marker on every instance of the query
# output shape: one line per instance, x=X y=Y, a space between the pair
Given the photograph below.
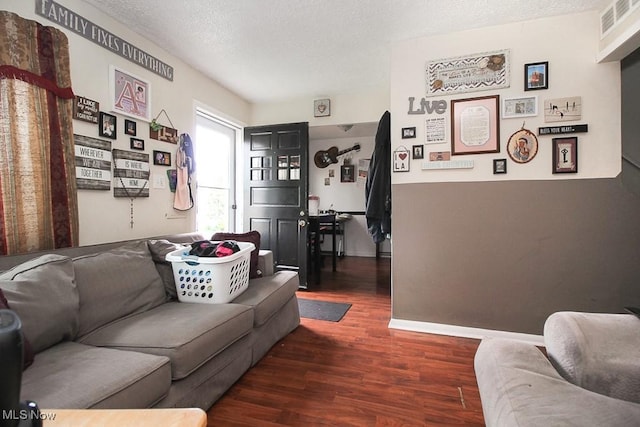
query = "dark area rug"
x=322 y=310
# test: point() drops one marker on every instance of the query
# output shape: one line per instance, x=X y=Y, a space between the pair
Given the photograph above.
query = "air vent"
x=615 y=13
x=622 y=7
x=607 y=20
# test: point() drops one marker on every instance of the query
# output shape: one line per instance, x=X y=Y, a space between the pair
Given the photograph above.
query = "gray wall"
x=505 y=255
x=630 y=81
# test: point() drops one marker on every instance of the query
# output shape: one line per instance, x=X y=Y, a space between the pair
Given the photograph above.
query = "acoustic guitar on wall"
x=324 y=158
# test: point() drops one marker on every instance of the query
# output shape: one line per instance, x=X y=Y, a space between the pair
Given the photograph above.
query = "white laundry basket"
x=208 y=279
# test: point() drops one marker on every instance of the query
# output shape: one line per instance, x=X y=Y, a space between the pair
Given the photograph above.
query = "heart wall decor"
x=401 y=159
x=321 y=108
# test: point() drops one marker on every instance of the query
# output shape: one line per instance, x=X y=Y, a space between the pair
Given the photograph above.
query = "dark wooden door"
x=276 y=191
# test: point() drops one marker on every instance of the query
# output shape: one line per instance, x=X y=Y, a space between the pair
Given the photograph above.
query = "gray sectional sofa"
x=107 y=333
x=590 y=375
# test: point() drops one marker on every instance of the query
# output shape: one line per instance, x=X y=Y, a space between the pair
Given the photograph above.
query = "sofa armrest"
x=265 y=262
x=519 y=387
x=596 y=351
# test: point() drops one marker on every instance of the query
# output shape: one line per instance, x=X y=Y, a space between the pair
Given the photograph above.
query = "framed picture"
x=321 y=108
x=408 y=132
x=522 y=146
x=499 y=166
x=439 y=156
x=161 y=158
x=474 y=125
x=519 y=107
x=348 y=173
x=563 y=109
x=565 y=155
x=482 y=71
x=130 y=127
x=536 y=76
x=418 y=152
x=130 y=94
x=137 y=144
x=107 y=125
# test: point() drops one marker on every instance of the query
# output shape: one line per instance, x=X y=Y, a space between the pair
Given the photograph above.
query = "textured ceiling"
x=271 y=50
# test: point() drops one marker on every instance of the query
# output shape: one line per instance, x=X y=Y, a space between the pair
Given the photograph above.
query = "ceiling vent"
x=615 y=13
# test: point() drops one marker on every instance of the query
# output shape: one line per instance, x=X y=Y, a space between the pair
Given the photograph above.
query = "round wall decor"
x=522 y=146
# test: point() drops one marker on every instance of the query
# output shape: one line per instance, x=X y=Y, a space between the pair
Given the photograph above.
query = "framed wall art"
x=130 y=127
x=524 y=106
x=137 y=144
x=522 y=146
x=536 y=76
x=321 y=108
x=408 y=132
x=347 y=173
x=482 y=71
x=565 y=155
x=418 y=151
x=475 y=125
x=439 y=156
x=130 y=94
x=499 y=166
x=563 y=109
x=107 y=125
x=161 y=158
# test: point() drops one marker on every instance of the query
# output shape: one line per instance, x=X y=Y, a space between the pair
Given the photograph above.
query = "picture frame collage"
x=474 y=122
x=130 y=96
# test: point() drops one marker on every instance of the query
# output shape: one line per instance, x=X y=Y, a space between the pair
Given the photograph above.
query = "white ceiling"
x=272 y=50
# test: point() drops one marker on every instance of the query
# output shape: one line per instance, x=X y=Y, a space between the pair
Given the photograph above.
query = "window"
x=215 y=149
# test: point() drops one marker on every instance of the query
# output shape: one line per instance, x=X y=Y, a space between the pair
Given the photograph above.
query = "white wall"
x=104 y=218
x=344 y=196
x=354 y=107
x=570 y=44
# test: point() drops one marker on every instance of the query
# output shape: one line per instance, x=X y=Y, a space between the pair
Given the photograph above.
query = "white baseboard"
x=463 y=331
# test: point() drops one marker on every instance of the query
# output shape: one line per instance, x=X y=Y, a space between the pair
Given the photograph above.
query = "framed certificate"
x=474 y=125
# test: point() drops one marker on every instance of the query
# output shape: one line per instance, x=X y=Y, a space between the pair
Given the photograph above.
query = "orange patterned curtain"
x=38 y=199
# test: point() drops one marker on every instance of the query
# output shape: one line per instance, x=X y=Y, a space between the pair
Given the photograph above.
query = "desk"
x=187 y=417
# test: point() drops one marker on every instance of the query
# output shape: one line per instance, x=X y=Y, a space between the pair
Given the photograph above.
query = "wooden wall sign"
x=130 y=174
x=86 y=109
x=93 y=163
x=164 y=133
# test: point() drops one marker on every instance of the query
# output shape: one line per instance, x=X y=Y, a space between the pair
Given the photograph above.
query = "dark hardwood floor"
x=356 y=372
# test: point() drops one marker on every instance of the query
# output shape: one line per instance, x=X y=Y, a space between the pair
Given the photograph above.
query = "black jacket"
x=378 y=186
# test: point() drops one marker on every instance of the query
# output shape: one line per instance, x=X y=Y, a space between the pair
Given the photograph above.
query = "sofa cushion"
x=27 y=350
x=596 y=351
x=159 y=250
x=189 y=334
x=43 y=294
x=268 y=295
x=116 y=283
x=251 y=237
x=73 y=375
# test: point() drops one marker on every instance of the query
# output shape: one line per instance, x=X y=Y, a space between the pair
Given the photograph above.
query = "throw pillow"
x=43 y=292
x=159 y=250
x=27 y=351
x=250 y=236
